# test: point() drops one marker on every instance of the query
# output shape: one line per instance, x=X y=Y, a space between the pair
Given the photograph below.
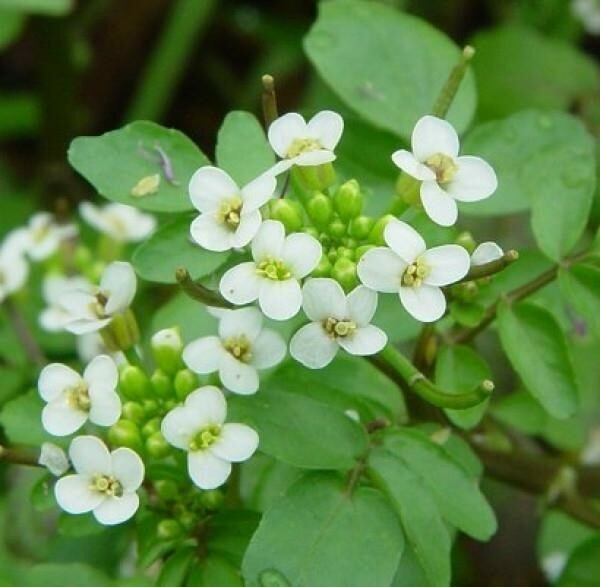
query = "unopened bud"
x=345 y=252
x=348 y=200
x=133 y=411
x=188 y=519
x=168 y=529
x=212 y=499
x=150 y=427
x=316 y=177
x=312 y=231
x=360 y=227
x=166 y=489
x=465 y=239
x=161 y=384
x=323 y=269
x=121 y=333
x=337 y=228
x=344 y=272
x=185 y=382
x=133 y=382
x=125 y=433
x=151 y=408
x=360 y=251
x=157 y=446
x=320 y=210
x=167 y=347
x=288 y=212
x=376 y=234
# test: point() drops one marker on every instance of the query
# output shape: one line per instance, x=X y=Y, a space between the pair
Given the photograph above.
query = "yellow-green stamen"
x=205 y=438
x=443 y=167
x=415 y=273
x=273 y=269
x=78 y=397
x=339 y=328
x=229 y=212
x=303 y=146
x=107 y=485
x=239 y=347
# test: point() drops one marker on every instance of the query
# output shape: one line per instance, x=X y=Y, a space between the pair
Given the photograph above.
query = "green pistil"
x=273 y=269
x=107 y=485
x=443 y=167
x=303 y=146
x=339 y=328
x=97 y=306
x=239 y=348
x=229 y=212
x=78 y=397
x=205 y=438
x=415 y=273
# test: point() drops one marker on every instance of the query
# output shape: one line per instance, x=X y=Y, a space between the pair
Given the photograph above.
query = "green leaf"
x=394 y=74
x=524 y=149
x=214 y=572
x=320 y=535
x=423 y=525
x=11 y=25
x=230 y=532
x=22 y=419
x=581 y=287
x=115 y=162
x=190 y=315
x=42 y=494
x=537 y=350
x=518 y=68
x=459 y=369
x=64 y=575
x=453 y=488
x=170 y=247
x=175 y=569
x=44 y=7
x=242 y=147
x=583 y=566
x=83 y=525
x=300 y=431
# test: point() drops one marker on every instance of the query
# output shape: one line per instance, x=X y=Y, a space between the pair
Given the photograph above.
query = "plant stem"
x=18 y=457
x=448 y=92
x=269 y=100
x=199 y=292
x=30 y=346
x=491 y=268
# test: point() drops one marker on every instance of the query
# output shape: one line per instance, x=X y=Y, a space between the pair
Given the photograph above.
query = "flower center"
x=239 y=348
x=273 y=269
x=443 y=167
x=205 y=438
x=229 y=212
x=415 y=273
x=107 y=485
x=98 y=305
x=299 y=146
x=78 y=397
x=117 y=223
x=40 y=232
x=339 y=328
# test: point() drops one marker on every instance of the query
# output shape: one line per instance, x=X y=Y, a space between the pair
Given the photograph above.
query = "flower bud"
x=121 y=333
x=133 y=382
x=161 y=384
x=150 y=427
x=167 y=489
x=345 y=252
x=360 y=251
x=288 y=212
x=133 y=411
x=348 y=200
x=408 y=188
x=188 y=519
x=312 y=231
x=465 y=239
x=167 y=347
x=212 y=499
x=157 y=446
x=168 y=529
x=185 y=382
x=344 y=272
x=316 y=177
x=360 y=227
x=320 y=210
x=337 y=228
x=376 y=234
x=323 y=269
x=151 y=407
x=125 y=433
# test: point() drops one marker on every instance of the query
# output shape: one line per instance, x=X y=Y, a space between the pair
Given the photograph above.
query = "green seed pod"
x=157 y=446
x=337 y=228
x=167 y=347
x=348 y=200
x=320 y=210
x=167 y=489
x=168 y=529
x=134 y=383
x=288 y=212
x=133 y=411
x=162 y=384
x=323 y=269
x=360 y=251
x=125 y=433
x=376 y=234
x=185 y=382
x=360 y=227
x=212 y=499
x=344 y=272
x=150 y=427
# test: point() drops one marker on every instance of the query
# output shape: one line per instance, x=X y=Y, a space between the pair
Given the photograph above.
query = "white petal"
x=404 y=240
x=90 y=456
x=118 y=279
x=323 y=298
x=116 y=510
x=280 y=300
x=268 y=241
x=15 y=274
x=486 y=253
x=433 y=135
x=102 y=369
x=179 y=427
x=243 y=322
x=55 y=378
x=236 y=443
x=128 y=468
x=105 y=407
x=362 y=303
x=209 y=402
x=53 y=319
x=316 y=157
x=284 y=130
x=312 y=347
x=426 y=303
x=206 y=470
x=438 y=204
x=247 y=228
x=326 y=126
x=447 y=264
x=406 y=161
x=474 y=180
x=240 y=284
x=78 y=304
x=209 y=186
x=280 y=167
x=203 y=355
x=74 y=496
x=301 y=253
x=366 y=340
x=268 y=349
x=210 y=233
x=94 y=216
x=258 y=192
x=237 y=376
x=60 y=419
x=381 y=269
x=85 y=325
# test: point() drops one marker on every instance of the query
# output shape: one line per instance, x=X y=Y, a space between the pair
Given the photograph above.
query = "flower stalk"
x=446 y=96
x=199 y=292
x=491 y=268
x=269 y=100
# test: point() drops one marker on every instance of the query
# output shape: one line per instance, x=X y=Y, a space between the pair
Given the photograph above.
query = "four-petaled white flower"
x=104 y=483
x=416 y=274
x=486 y=253
x=242 y=347
x=13 y=270
x=89 y=311
x=273 y=277
x=73 y=399
x=230 y=215
x=337 y=321
x=118 y=221
x=198 y=427
x=54 y=317
x=445 y=176
x=306 y=144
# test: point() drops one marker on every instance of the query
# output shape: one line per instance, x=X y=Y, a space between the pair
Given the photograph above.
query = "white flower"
x=53 y=458
x=553 y=565
x=415 y=273
x=105 y=482
x=337 y=321
x=54 y=317
x=446 y=177
x=167 y=337
x=242 y=347
x=486 y=253
x=118 y=221
x=273 y=277
x=305 y=144
x=588 y=12
x=73 y=399
x=13 y=271
x=198 y=427
x=230 y=216
x=89 y=311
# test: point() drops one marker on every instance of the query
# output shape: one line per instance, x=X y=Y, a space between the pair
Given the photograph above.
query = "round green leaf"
x=581 y=286
x=583 y=566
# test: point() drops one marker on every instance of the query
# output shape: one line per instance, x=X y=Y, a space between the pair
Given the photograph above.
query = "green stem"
x=199 y=292
x=32 y=349
x=409 y=375
x=448 y=92
x=269 y=100
x=132 y=357
x=18 y=457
